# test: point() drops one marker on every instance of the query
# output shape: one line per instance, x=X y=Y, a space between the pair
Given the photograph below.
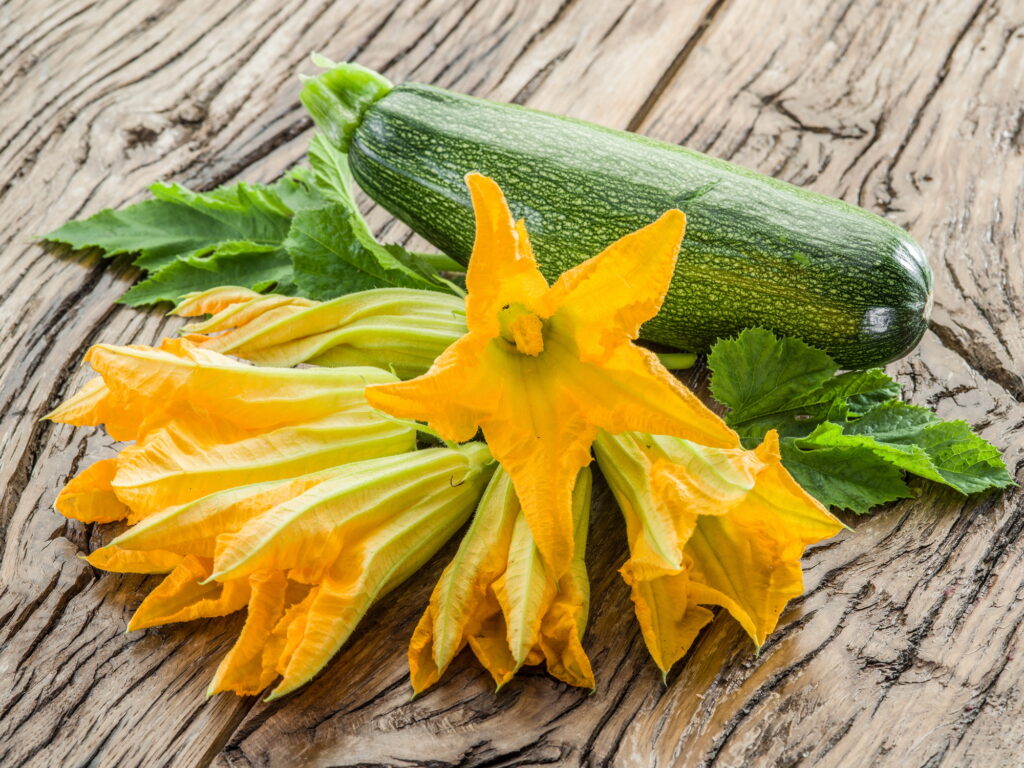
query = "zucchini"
x=757 y=252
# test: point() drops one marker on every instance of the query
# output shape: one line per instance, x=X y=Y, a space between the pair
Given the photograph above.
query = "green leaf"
x=847 y=439
x=893 y=422
x=333 y=250
x=189 y=241
x=254 y=265
x=155 y=229
x=844 y=477
x=907 y=456
x=331 y=173
x=304 y=233
x=787 y=385
x=756 y=374
x=297 y=189
x=329 y=258
x=240 y=212
x=967 y=461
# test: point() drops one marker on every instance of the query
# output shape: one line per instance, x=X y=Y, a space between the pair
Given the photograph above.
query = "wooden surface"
x=905 y=650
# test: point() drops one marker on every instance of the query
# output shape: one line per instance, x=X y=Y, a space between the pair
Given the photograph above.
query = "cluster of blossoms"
x=300 y=495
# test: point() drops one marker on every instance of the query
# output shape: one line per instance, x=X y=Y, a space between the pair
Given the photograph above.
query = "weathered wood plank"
x=901 y=653
x=902 y=650
x=102 y=99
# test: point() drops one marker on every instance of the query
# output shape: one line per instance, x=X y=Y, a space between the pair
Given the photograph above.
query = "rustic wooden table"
x=904 y=650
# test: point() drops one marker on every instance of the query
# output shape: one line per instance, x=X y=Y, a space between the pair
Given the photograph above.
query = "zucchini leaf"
x=189 y=241
x=333 y=250
x=847 y=439
x=302 y=235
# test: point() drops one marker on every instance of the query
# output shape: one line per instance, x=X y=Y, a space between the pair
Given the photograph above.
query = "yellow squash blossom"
x=543 y=367
x=203 y=422
x=398 y=329
x=306 y=556
x=708 y=526
x=498 y=596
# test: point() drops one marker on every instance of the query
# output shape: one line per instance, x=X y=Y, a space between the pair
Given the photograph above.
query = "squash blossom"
x=398 y=329
x=498 y=596
x=543 y=367
x=203 y=422
x=708 y=526
x=306 y=556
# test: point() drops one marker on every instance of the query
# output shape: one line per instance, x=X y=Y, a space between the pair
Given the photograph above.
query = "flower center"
x=522 y=328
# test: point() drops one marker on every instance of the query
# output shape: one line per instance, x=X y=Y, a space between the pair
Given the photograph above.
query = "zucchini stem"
x=677 y=361
x=441 y=262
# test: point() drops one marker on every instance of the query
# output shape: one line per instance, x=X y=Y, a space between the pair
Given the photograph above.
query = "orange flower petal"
x=606 y=299
x=113 y=558
x=89 y=497
x=502 y=268
x=183 y=596
x=176 y=465
x=542 y=369
x=246 y=670
x=669 y=616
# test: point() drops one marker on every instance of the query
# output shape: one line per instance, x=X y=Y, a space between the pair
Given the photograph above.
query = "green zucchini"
x=757 y=251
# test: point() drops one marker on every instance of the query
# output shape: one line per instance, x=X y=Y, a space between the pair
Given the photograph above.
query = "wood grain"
x=902 y=652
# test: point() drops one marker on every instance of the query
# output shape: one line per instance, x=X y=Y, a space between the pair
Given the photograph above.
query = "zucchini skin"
x=758 y=252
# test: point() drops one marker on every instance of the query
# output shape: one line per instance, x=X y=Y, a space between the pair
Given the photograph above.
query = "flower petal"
x=193 y=528
x=525 y=592
x=502 y=269
x=632 y=391
x=147 y=383
x=489 y=643
x=656 y=531
x=561 y=632
x=176 y=465
x=606 y=299
x=452 y=396
x=213 y=301
x=669 y=616
x=184 y=596
x=749 y=559
x=89 y=497
x=113 y=558
x=462 y=601
x=251 y=664
x=374 y=561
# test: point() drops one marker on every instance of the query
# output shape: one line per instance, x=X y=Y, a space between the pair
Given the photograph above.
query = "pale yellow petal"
x=461 y=600
x=113 y=558
x=246 y=670
x=175 y=465
x=152 y=381
x=89 y=497
x=373 y=563
x=656 y=531
x=525 y=592
x=183 y=596
x=193 y=528
x=213 y=300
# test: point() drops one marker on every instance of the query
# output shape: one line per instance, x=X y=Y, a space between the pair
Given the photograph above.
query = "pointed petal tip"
x=674 y=217
x=768 y=451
